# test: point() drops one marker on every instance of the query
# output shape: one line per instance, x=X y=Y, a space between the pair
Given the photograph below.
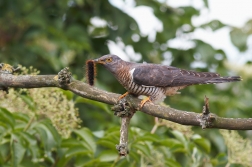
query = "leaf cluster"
x=27 y=142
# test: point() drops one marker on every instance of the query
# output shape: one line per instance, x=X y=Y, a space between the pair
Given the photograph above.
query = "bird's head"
x=111 y=62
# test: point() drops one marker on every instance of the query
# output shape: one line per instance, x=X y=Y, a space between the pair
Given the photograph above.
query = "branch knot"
x=122 y=149
x=123 y=109
x=64 y=76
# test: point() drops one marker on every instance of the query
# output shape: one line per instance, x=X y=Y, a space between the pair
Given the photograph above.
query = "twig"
x=156 y=125
x=124 y=110
x=123 y=144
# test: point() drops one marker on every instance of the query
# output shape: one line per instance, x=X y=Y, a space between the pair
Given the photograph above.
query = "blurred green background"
x=42 y=128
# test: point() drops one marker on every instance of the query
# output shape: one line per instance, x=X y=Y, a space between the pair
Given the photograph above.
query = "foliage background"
x=38 y=127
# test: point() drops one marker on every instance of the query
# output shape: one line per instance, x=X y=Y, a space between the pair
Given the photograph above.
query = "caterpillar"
x=90 y=72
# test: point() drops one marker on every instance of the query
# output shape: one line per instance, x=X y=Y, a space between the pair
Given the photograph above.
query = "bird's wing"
x=164 y=76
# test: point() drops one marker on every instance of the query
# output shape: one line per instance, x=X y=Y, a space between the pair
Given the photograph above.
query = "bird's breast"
x=156 y=93
x=140 y=89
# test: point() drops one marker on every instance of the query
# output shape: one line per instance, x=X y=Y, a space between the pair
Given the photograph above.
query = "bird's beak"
x=98 y=61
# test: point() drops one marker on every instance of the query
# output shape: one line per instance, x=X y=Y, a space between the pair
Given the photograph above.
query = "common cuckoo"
x=156 y=81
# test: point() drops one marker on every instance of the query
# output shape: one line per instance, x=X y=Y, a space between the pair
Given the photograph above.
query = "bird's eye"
x=109 y=60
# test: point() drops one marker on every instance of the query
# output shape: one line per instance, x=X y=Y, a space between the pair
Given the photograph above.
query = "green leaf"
x=49 y=137
x=205 y=50
x=68 y=94
x=96 y=162
x=30 y=143
x=99 y=31
x=110 y=138
x=220 y=159
x=239 y=39
x=174 y=145
x=43 y=137
x=178 y=135
x=88 y=138
x=21 y=117
x=29 y=101
x=6 y=118
x=17 y=150
x=107 y=143
x=143 y=148
x=54 y=132
x=98 y=104
x=108 y=155
x=70 y=142
x=4 y=141
x=99 y=134
x=114 y=131
x=22 y=121
x=147 y=137
x=206 y=3
x=135 y=156
x=202 y=143
x=76 y=150
x=29 y=140
x=214 y=25
x=171 y=163
x=63 y=161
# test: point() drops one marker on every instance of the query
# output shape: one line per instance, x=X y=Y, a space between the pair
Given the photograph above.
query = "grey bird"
x=156 y=81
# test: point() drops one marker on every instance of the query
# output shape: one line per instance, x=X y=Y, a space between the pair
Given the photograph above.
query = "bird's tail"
x=223 y=79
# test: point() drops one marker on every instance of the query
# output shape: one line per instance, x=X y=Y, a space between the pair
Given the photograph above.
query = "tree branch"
x=126 y=111
x=90 y=92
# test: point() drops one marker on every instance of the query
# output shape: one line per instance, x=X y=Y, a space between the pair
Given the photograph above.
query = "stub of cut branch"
x=206 y=119
x=6 y=69
x=91 y=92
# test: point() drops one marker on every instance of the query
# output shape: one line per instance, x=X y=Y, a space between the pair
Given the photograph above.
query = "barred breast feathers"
x=157 y=94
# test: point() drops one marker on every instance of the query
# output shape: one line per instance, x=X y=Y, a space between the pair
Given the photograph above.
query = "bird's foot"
x=124 y=95
x=144 y=101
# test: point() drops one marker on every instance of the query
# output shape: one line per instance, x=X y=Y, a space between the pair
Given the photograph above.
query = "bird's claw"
x=124 y=95
x=144 y=101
